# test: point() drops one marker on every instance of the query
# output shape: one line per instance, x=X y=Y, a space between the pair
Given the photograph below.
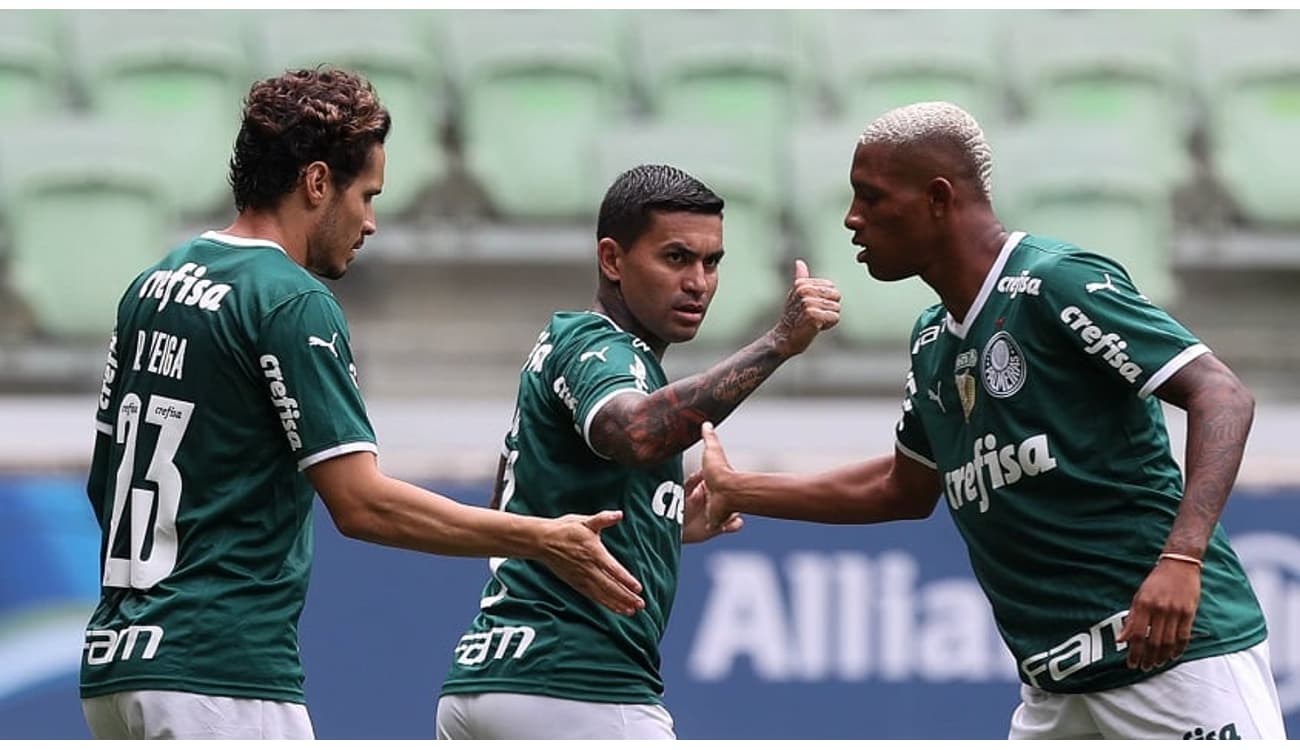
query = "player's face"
x=348 y=219
x=668 y=276
x=889 y=216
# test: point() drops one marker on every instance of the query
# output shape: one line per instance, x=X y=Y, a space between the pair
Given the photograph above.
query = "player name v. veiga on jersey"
x=190 y=288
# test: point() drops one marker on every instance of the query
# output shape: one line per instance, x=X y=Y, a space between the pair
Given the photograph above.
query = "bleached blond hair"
x=945 y=122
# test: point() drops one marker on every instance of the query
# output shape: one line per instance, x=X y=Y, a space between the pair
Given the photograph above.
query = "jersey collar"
x=230 y=239
x=986 y=289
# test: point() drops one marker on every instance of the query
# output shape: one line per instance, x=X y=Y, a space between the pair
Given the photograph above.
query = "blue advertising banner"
x=782 y=631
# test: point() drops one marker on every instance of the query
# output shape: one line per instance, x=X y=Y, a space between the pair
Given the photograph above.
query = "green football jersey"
x=534 y=633
x=228 y=374
x=1037 y=412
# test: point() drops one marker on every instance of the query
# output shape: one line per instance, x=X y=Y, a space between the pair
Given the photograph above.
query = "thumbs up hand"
x=811 y=306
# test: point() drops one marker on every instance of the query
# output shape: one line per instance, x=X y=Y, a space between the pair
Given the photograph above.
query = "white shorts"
x=518 y=716
x=1232 y=696
x=174 y=715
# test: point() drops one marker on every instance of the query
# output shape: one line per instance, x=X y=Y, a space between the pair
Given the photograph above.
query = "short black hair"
x=322 y=114
x=640 y=192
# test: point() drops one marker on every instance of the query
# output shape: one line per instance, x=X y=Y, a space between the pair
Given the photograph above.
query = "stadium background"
x=1164 y=138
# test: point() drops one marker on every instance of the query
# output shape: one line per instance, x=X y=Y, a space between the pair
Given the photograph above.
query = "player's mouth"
x=863 y=253
x=690 y=314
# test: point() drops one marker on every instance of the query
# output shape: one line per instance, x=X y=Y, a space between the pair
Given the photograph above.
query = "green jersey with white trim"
x=534 y=633
x=1037 y=412
x=229 y=373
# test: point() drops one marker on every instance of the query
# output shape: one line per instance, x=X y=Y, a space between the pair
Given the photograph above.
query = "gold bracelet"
x=1182 y=558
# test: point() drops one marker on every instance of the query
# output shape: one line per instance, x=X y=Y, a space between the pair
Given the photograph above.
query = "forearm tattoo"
x=1218 y=423
x=668 y=421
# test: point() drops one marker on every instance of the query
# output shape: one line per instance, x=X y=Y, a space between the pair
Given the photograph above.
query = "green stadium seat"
x=1093 y=187
x=734 y=70
x=178 y=79
x=1249 y=79
x=31 y=73
x=1111 y=68
x=874 y=61
x=535 y=88
x=752 y=277
x=403 y=69
x=872 y=312
x=85 y=212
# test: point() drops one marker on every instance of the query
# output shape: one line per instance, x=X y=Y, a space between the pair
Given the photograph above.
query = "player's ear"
x=939 y=191
x=316 y=183
x=609 y=257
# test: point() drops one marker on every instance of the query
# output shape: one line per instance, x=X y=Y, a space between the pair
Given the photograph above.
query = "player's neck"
x=264 y=225
x=963 y=270
x=610 y=303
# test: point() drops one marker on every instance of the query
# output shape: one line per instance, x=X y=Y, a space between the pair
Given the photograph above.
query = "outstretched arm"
x=884 y=488
x=636 y=429
x=365 y=504
x=1219 y=413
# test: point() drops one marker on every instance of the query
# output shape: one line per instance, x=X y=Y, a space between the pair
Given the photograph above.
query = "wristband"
x=1182 y=558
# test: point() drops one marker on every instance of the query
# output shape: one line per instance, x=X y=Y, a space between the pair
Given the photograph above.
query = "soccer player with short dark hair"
x=229 y=399
x=598 y=425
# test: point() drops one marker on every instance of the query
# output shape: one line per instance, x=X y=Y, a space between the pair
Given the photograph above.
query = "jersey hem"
x=126 y=684
x=552 y=691
x=1134 y=676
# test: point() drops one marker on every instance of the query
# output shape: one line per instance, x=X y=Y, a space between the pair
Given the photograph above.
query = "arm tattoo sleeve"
x=1219 y=416
x=650 y=429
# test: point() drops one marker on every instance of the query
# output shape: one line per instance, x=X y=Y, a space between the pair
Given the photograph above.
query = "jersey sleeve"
x=594 y=368
x=1098 y=312
x=306 y=362
x=911 y=440
x=105 y=418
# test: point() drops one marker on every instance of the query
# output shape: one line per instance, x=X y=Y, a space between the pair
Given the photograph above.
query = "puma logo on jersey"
x=935 y=395
x=1097 y=286
x=600 y=355
x=318 y=341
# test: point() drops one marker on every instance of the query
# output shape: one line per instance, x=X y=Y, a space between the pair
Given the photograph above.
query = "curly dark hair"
x=289 y=121
x=640 y=192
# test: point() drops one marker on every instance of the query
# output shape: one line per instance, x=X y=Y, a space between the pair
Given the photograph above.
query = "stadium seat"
x=1111 y=68
x=752 y=277
x=734 y=70
x=1090 y=186
x=536 y=87
x=873 y=312
x=874 y=61
x=177 y=79
x=1249 y=79
x=31 y=74
x=403 y=70
x=85 y=211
